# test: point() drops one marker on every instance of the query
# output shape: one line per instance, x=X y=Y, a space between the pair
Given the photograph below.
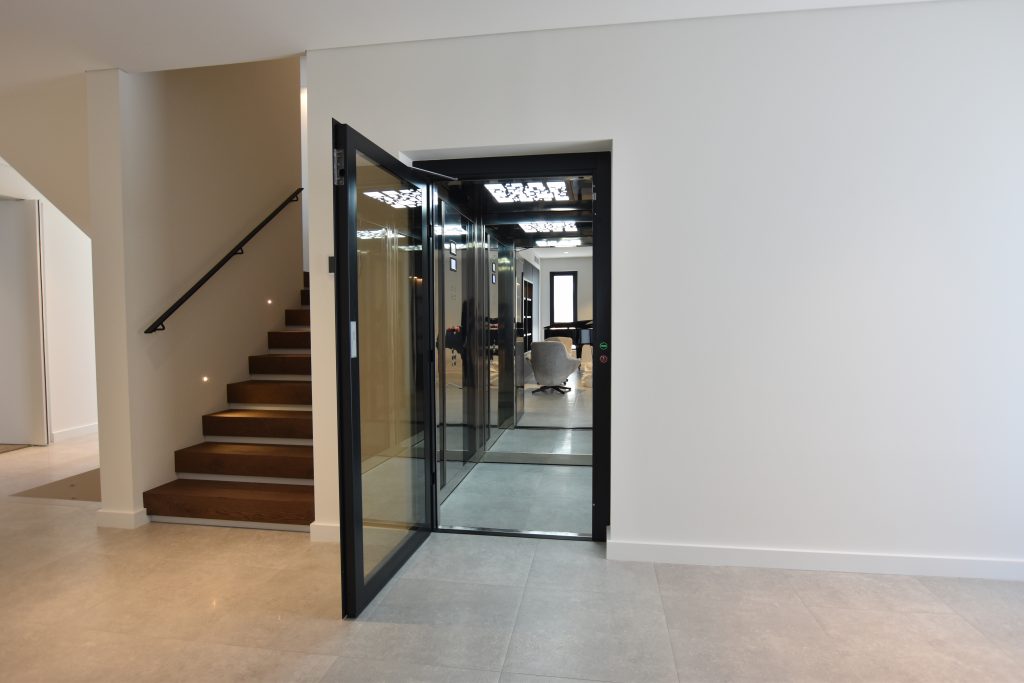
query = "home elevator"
x=432 y=305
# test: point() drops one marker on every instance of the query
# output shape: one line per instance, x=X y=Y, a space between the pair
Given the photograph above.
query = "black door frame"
x=598 y=166
x=356 y=592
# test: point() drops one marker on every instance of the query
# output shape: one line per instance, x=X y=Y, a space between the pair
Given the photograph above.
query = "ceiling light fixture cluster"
x=564 y=242
x=548 y=226
x=399 y=199
x=507 y=193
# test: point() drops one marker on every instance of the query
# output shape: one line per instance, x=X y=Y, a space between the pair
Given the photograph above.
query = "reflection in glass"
x=392 y=307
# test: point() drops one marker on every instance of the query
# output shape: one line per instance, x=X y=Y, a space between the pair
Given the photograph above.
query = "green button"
x=604 y=346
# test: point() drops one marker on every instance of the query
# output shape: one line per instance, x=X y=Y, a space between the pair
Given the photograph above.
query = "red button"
x=604 y=358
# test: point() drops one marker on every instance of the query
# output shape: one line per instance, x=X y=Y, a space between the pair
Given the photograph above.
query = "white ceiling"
x=44 y=39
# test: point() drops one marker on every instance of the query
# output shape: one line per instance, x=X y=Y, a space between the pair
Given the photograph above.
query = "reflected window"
x=563 y=297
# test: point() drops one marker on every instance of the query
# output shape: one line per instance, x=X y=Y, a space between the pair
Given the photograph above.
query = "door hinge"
x=339 y=167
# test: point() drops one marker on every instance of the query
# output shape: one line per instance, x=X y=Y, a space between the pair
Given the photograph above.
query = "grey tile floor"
x=555 y=441
x=575 y=409
x=522 y=498
x=543 y=447
x=185 y=603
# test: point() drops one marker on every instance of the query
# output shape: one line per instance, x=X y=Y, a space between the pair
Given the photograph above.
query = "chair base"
x=561 y=390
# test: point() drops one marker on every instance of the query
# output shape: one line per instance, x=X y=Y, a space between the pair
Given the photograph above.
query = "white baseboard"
x=325 y=532
x=122 y=519
x=72 y=432
x=780 y=558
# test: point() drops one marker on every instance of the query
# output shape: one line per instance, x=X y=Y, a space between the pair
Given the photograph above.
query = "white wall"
x=22 y=375
x=68 y=311
x=835 y=199
x=185 y=163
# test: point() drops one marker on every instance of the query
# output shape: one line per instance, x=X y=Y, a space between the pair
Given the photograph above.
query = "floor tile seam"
x=519 y=609
x=878 y=609
x=664 y=612
x=463 y=582
x=817 y=620
x=367 y=658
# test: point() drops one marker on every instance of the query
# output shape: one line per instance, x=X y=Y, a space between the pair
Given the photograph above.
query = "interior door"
x=385 y=392
x=22 y=375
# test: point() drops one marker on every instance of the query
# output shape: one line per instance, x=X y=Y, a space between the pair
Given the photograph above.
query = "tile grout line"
x=519 y=609
x=664 y=613
x=967 y=620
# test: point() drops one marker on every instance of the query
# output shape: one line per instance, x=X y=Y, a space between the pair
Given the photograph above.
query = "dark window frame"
x=575 y=296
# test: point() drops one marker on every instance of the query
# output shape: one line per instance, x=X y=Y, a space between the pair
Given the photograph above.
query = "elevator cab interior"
x=514 y=455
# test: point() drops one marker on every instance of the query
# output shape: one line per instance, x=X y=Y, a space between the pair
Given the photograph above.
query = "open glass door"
x=383 y=321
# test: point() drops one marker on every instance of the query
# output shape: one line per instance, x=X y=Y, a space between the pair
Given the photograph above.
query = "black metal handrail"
x=158 y=324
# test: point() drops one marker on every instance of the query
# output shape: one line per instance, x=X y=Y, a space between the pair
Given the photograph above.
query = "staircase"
x=255 y=466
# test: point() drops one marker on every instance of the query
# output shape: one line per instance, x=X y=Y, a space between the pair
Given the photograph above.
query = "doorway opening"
x=515 y=333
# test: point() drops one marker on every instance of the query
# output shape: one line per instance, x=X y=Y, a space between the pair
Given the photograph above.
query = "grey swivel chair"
x=552 y=366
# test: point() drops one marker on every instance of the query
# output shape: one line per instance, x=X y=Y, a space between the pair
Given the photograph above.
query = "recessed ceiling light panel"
x=399 y=199
x=548 y=226
x=508 y=193
x=563 y=242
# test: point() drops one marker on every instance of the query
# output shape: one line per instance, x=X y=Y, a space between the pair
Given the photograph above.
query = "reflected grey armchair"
x=552 y=366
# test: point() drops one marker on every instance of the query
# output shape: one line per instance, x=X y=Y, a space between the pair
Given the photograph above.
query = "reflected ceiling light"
x=548 y=226
x=507 y=193
x=449 y=230
x=564 y=242
x=399 y=199
x=371 y=234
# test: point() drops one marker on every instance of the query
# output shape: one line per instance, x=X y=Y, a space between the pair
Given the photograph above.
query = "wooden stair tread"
x=280 y=364
x=246 y=459
x=281 y=424
x=292 y=392
x=229 y=500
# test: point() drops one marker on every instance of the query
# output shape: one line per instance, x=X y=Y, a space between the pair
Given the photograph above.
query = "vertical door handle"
x=353 y=339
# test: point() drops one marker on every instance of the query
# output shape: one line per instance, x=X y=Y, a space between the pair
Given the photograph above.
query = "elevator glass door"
x=383 y=357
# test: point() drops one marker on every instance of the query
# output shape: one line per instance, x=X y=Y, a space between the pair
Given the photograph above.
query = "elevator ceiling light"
x=399 y=199
x=564 y=242
x=507 y=193
x=548 y=226
x=449 y=230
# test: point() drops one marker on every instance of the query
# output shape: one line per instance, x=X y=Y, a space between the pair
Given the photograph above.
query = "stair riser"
x=267 y=441
x=297 y=393
x=245 y=479
x=299 y=427
x=229 y=509
x=236 y=524
x=243 y=465
x=288 y=339
x=279 y=365
x=298 y=317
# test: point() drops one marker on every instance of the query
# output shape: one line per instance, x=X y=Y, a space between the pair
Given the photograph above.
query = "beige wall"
x=184 y=163
x=43 y=134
